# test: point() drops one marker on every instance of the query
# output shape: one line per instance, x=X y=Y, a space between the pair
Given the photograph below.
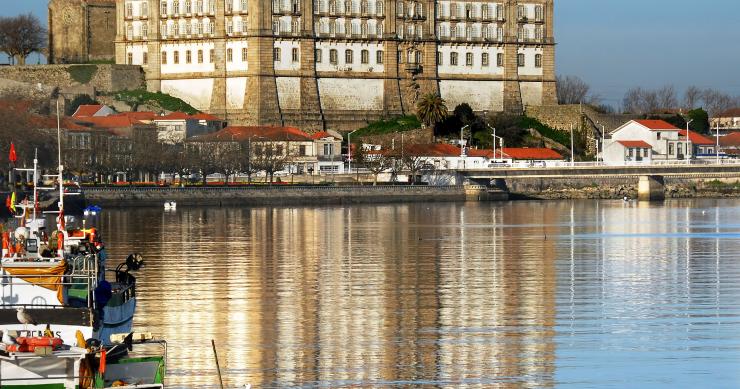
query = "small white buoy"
x=170 y=206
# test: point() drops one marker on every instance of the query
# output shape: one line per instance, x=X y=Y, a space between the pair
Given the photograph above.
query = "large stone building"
x=337 y=63
x=81 y=31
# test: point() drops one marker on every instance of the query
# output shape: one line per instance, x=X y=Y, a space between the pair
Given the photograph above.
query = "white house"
x=329 y=152
x=664 y=139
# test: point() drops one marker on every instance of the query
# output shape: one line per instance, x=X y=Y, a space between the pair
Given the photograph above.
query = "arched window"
x=348 y=57
x=333 y=56
x=364 y=56
x=295 y=26
x=379 y=7
x=364 y=7
x=538 y=13
x=129 y=32
x=145 y=30
x=332 y=7
x=538 y=61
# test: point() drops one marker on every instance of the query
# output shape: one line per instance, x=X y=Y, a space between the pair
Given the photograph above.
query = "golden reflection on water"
x=356 y=296
x=429 y=295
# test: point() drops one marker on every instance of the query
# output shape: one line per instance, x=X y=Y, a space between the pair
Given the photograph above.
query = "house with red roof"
x=329 y=152
x=296 y=145
x=175 y=127
x=643 y=141
x=91 y=110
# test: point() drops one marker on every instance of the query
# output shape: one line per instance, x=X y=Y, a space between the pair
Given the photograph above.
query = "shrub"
x=403 y=123
x=137 y=97
x=82 y=73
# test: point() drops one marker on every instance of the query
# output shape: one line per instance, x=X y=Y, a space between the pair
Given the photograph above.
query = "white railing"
x=566 y=164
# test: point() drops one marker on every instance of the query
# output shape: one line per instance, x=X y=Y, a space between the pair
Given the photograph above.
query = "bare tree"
x=573 y=90
x=692 y=97
x=414 y=162
x=666 y=97
x=271 y=157
x=21 y=35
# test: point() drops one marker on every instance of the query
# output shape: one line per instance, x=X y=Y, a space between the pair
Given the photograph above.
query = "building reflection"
x=433 y=295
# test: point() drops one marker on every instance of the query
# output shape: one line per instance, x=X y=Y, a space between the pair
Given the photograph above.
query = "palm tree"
x=431 y=109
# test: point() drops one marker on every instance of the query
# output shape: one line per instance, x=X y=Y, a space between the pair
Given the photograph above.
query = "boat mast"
x=61 y=168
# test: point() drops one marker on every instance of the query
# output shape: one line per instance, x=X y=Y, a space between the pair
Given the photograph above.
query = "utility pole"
x=717 y=146
x=572 y=156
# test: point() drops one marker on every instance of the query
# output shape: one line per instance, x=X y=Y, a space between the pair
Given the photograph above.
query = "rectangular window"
x=188 y=57
x=130 y=58
x=145 y=60
x=520 y=60
x=364 y=56
x=328 y=149
x=500 y=60
x=244 y=54
x=244 y=5
x=276 y=54
x=317 y=56
x=670 y=149
x=469 y=59
x=229 y=55
x=176 y=57
x=200 y=56
x=294 y=54
x=212 y=55
x=164 y=58
x=484 y=59
x=302 y=150
x=163 y=6
x=538 y=61
x=453 y=59
x=379 y=57
x=348 y=57
x=333 y=56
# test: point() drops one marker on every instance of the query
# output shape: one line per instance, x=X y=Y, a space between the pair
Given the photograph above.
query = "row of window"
x=355 y=27
x=485 y=61
x=458 y=10
x=350 y=7
x=334 y=57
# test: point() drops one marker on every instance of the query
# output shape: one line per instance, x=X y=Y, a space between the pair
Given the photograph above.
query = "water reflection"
x=437 y=295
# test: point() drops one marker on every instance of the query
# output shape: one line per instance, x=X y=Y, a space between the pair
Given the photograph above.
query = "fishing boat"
x=59 y=303
x=135 y=361
x=60 y=277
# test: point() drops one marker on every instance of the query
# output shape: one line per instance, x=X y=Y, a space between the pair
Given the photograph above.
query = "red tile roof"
x=322 y=135
x=696 y=138
x=526 y=153
x=434 y=150
x=635 y=144
x=730 y=140
x=657 y=125
x=256 y=133
x=205 y=116
x=87 y=110
x=175 y=116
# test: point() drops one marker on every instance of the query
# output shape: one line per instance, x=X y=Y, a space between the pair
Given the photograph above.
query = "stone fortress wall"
x=81 y=31
x=339 y=63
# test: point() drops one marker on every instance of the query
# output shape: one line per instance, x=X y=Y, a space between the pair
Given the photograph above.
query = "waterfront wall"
x=276 y=195
x=617 y=188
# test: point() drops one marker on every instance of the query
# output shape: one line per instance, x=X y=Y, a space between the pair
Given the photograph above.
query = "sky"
x=615 y=45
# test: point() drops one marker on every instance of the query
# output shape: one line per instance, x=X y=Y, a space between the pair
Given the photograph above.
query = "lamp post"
x=572 y=156
x=716 y=148
x=688 y=143
x=495 y=138
x=349 y=151
x=462 y=141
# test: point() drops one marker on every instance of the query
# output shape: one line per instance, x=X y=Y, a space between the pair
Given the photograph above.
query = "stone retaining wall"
x=276 y=195
x=103 y=78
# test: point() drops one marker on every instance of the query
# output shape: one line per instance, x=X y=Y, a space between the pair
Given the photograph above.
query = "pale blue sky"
x=617 y=44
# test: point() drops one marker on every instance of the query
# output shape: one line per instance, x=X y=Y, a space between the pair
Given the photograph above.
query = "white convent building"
x=338 y=63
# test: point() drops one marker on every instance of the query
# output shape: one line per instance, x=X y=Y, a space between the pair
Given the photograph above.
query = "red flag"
x=60 y=220
x=12 y=157
x=7 y=203
x=103 y=360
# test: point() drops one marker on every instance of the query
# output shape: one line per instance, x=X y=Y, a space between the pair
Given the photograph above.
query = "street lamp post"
x=462 y=141
x=716 y=148
x=572 y=156
x=688 y=143
x=349 y=152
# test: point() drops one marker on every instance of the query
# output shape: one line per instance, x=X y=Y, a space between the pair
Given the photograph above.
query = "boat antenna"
x=59 y=151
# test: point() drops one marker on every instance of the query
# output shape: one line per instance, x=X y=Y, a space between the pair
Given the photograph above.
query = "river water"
x=578 y=294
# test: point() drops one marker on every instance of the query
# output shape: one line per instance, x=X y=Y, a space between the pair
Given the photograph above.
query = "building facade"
x=81 y=31
x=337 y=63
